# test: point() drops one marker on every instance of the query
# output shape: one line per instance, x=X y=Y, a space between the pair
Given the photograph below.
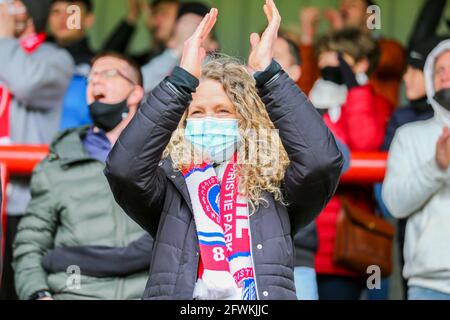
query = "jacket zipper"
x=251 y=254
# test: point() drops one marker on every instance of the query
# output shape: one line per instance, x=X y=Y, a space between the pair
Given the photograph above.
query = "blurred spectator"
x=417 y=186
x=387 y=76
x=422 y=40
x=358 y=118
x=160 y=18
x=73 y=40
x=418 y=109
x=34 y=76
x=189 y=17
x=75 y=111
x=346 y=60
x=61 y=213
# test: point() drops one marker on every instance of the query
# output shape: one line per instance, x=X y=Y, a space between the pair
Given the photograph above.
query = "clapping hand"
x=262 y=48
x=193 y=51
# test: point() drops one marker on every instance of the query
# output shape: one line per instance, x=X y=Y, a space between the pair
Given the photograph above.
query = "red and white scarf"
x=29 y=44
x=222 y=219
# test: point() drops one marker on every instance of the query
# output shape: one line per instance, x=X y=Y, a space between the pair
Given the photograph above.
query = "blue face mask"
x=217 y=137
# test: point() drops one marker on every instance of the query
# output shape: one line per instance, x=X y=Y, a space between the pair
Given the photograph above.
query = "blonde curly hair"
x=262 y=159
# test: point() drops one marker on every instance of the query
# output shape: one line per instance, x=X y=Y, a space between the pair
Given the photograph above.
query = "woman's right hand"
x=193 y=51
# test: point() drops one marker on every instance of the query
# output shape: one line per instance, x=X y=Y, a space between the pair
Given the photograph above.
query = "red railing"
x=365 y=167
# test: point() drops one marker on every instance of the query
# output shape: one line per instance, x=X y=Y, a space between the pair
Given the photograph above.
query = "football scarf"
x=222 y=219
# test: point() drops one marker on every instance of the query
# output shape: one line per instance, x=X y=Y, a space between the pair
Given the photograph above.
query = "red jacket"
x=361 y=127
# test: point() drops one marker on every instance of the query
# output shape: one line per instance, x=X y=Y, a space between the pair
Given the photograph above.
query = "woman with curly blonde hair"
x=222 y=165
x=259 y=147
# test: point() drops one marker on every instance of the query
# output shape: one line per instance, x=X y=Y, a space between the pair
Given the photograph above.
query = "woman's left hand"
x=263 y=47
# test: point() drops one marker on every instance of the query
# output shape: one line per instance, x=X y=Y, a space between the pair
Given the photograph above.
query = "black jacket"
x=427 y=22
x=155 y=195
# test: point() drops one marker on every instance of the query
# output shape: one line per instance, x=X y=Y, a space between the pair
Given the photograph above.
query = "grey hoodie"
x=416 y=188
x=38 y=83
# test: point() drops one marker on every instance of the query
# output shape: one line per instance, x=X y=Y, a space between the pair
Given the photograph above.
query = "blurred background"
x=239 y=18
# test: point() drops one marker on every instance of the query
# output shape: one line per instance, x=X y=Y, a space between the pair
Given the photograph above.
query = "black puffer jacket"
x=155 y=195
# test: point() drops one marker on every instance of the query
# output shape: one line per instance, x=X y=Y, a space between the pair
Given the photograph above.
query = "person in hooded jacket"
x=417 y=186
x=72 y=204
x=418 y=109
x=422 y=40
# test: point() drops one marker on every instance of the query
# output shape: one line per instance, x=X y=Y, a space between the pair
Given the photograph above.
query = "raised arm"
x=316 y=162
x=120 y=38
x=427 y=23
x=132 y=169
x=38 y=81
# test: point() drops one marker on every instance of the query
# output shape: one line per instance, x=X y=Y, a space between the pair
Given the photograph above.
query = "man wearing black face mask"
x=417 y=186
x=72 y=204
